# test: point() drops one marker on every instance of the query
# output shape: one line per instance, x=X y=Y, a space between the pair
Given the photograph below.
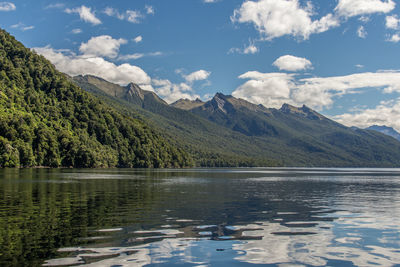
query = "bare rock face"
x=187 y=104
x=133 y=90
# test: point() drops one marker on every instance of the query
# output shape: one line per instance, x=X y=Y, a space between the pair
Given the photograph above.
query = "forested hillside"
x=45 y=120
x=227 y=131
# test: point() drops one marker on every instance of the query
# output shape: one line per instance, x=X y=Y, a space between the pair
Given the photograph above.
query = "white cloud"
x=392 y=22
x=85 y=13
x=139 y=55
x=138 y=39
x=77 y=65
x=7 y=6
x=133 y=16
x=251 y=49
x=364 y=19
x=22 y=27
x=109 y=11
x=131 y=56
x=359 y=66
x=210 y=1
x=276 y=18
x=27 y=28
x=197 y=76
x=274 y=89
x=269 y=89
x=149 y=10
x=350 y=8
x=56 y=5
x=395 y=38
x=292 y=63
x=319 y=92
x=76 y=31
x=171 y=92
x=103 y=45
x=361 y=32
x=386 y=113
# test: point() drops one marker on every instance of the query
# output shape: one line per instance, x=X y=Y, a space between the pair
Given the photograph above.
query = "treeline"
x=45 y=120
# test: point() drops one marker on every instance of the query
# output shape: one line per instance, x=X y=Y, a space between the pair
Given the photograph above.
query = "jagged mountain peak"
x=219 y=101
x=134 y=90
x=132 y=93
x=304 y=111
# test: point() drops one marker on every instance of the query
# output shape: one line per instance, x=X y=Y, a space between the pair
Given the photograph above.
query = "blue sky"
x=340 y=57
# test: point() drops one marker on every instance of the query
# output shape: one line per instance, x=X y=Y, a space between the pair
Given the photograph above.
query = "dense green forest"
x=46 y=120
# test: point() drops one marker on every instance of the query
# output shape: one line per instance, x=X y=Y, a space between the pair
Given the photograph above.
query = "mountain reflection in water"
x=200 y=217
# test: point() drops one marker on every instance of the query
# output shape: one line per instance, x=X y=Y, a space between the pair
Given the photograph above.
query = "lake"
x=200 y=217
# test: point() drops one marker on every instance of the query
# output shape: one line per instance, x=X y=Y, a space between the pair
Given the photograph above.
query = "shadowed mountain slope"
x=227 y=131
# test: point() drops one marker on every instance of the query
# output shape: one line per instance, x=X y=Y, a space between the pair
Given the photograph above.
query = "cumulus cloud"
x=80 y=65
x=138 y=39
x=395 y=38
x=350 y=8
x=276 y=18
x=7 y=6
x=197 y=76
x=392 y=22
x=269 y=89
x=275 y=89
x=386 y=113
x=172 y=92
x=103 y=45
x=292 y=63
x=361 y=32
x=85 y=13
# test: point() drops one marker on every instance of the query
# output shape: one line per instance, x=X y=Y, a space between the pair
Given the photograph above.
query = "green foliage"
x=45 y=120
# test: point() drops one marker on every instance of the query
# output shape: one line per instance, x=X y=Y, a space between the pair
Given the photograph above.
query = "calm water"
x=200 y=217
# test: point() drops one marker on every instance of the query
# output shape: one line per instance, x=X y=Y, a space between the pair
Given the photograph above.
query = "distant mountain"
x=210 y=144
x=131 y=93
x=257 y=120
x=187 y=104
x=385 y=130
x=226 y=131
x=45 y=120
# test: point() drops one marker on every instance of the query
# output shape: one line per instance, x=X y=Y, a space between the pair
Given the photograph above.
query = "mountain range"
x=227 y=131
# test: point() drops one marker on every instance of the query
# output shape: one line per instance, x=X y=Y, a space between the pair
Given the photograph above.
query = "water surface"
x=200 y=217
